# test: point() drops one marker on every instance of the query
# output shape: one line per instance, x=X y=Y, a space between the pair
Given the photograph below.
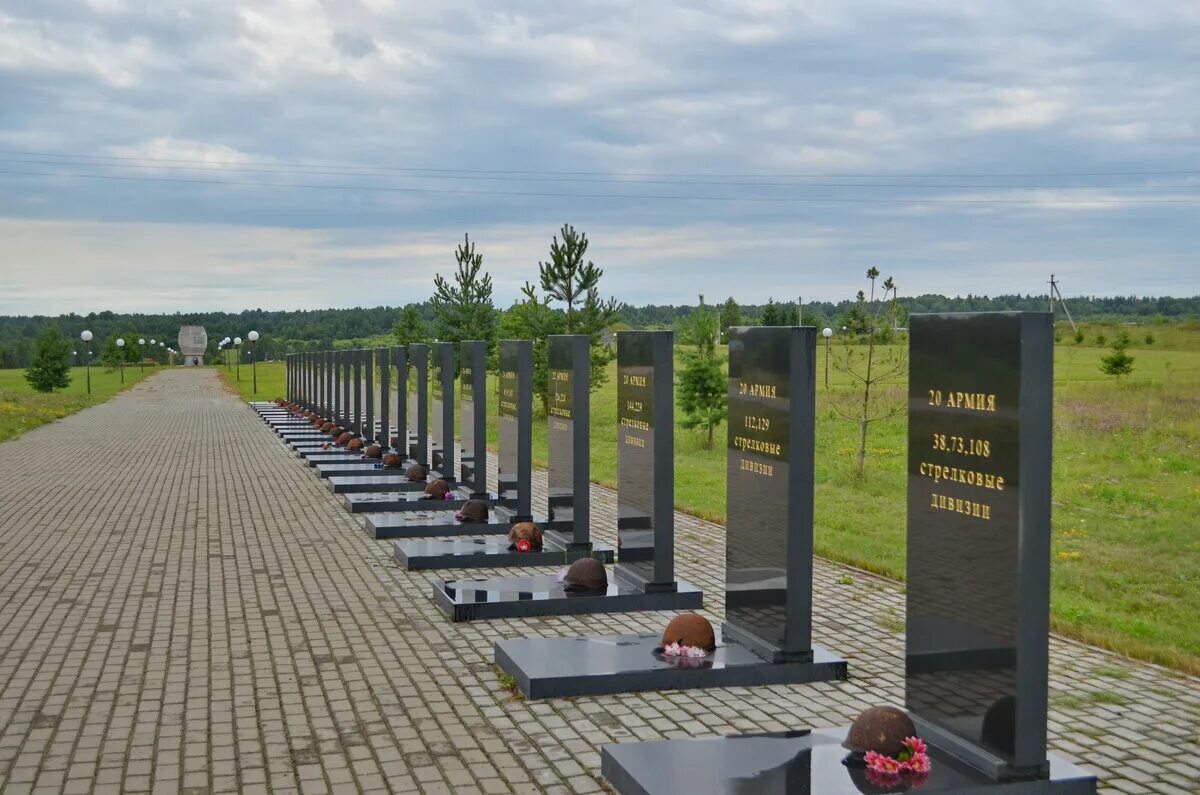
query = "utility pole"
x=1054 y=291
x=799 y=310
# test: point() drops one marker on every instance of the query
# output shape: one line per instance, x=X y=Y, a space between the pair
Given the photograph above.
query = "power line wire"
x=619 y=181
x=538 y=172
x=562 y=195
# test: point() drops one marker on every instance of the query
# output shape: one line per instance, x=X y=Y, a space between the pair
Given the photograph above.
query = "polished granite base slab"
x=397 y=501
x=800 y=763
x=565 y=667
x=377 y=481
x=332 y=457
x=543 y=595
x=429 y=523
x=363 y=466
x=423 y=554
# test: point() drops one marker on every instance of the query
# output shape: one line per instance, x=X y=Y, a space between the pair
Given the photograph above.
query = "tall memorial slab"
x=514 y=418
x=472 y=402
x=568 y=434
x=979 y=453
x=418 y=390
x=977 y=639
x=646 y=459
x=441 y=371
x=398 y=400
x=383 y=362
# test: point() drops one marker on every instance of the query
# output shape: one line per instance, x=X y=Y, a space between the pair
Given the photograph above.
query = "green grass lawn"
x=1126 y=565
x=271 y=380
x=22 y=409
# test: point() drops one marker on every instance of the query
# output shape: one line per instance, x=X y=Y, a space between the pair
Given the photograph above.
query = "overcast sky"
x=298 y=154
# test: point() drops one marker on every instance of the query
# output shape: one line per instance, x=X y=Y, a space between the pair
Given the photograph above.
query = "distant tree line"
x=287 y=331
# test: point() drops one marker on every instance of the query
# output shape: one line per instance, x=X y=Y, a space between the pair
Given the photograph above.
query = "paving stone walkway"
x=185 y=607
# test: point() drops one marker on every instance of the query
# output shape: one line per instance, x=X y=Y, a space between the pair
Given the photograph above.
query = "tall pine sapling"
x=868 y=372
x=703 y=388
x=51 y=365
x=463 y=309
x=731 y=315
x=570 y=278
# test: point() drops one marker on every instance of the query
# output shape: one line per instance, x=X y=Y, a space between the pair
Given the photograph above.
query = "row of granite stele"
x=978 y=538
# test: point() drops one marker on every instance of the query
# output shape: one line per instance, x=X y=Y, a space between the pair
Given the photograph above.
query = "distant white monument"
x=193 y=342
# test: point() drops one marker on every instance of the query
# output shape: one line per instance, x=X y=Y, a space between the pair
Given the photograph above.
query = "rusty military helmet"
x=472 y=511
x=585 y=574
x=354 y=444
x=416 y=473
x=527 y=532
x=326 y=427
x=880 y=729
x=690 y=629
x=392 y=461
x=344 y=439
x=373 y=451
x=438 y=489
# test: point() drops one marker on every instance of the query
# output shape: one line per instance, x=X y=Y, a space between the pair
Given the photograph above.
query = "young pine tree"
x=51 y=366
x=731 y=315
x=570 y=278
x=703 y=388
x=870 y=371
x=1119 y=362
x=410 y=327
x=464 y=309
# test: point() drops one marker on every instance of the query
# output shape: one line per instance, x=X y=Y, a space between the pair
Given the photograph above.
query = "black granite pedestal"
x=800 y=763
x=543 y=595
x=333 y=457
x=379 y=482
x=397 y=501
x=565 y=667
x=480 y=553
x=362 y=467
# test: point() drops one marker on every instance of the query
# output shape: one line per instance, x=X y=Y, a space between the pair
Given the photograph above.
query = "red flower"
x=524 y=546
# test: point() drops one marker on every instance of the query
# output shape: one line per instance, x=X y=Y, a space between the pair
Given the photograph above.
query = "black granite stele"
x=441 y=381
x=767 y=636
x=418 y=359
x=472 y=404
x=977 y=635
x=567 y=471
x=644 y=580
x=397 y=440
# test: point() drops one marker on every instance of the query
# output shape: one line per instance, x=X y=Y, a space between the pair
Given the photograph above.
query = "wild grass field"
x=1126 y=554
x=22 y=409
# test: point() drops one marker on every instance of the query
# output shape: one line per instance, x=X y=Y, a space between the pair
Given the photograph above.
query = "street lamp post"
x=142 y=354
x=86 y=336
x=121 y=357
x=152 y=348
x=827 y=332
x=237 y=356
x=253 y=337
